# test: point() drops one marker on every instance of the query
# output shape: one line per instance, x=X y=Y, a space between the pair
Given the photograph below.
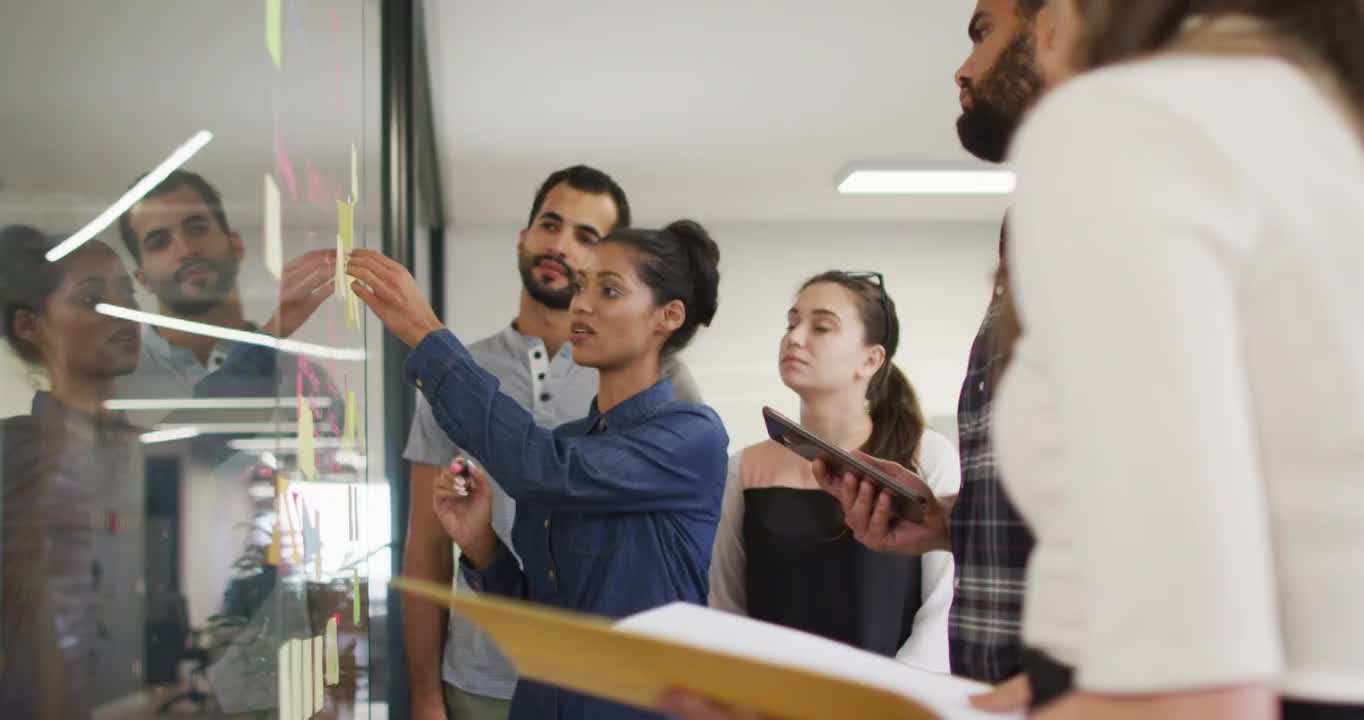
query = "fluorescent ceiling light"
x=160 y=436
x=928 y=182
x=260 y=403
x=254 y=338
x=130 y=198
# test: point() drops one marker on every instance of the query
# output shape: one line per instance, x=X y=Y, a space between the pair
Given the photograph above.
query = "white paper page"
x=722 y=632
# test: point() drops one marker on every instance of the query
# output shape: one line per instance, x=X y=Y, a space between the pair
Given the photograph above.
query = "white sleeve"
x=728 y=560
x=927 y=647
x=1127 y=231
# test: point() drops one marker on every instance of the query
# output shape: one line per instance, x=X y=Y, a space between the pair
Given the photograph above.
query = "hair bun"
x=704 y=255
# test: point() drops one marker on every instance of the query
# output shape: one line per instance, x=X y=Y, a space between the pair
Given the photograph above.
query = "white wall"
x=939 y=276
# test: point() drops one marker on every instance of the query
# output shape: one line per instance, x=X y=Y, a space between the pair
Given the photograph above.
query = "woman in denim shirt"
x=616 y=513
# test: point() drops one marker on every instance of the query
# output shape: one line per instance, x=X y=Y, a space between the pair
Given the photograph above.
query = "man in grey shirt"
x=573 y=210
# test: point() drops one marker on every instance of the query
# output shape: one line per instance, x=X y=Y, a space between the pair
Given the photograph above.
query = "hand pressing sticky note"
x=307 y=462
x=274 y=232
x=274 y=23
x=332 y=667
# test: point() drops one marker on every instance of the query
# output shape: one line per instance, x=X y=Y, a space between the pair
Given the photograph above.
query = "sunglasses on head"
x=879 y=280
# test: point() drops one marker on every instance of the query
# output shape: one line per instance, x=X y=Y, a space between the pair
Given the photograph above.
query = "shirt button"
x=542 y=376
x=551 y=576
x=544 y=397
x=538 y=355
x=999 y=290
x=546 y=523
x=981 y=386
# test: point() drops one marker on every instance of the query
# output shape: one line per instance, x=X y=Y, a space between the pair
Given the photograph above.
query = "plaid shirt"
x=990 y=541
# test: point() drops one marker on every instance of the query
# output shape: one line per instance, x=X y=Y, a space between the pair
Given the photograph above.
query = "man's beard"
x=170 y=295
x=554 y=299
x=1000 y=100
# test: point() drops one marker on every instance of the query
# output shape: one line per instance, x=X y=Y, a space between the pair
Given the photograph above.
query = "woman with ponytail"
x=783 y=553
x=616 y=513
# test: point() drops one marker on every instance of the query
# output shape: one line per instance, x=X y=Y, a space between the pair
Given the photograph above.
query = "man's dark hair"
x=588 y=180
x=173 y=182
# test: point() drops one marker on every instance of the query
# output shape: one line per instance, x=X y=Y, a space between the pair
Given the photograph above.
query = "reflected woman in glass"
x=69 y=513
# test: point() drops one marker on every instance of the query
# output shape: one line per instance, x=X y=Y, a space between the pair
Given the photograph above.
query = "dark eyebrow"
x=590 y=230
x=195 y=217
x=828 y=313
x=609 y=274
x=551 y=215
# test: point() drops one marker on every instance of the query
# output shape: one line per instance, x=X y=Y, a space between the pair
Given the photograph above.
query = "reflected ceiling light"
x=230 y=403
x=227 y=428
x=160 y=436
x=130 y=198
x=282 y=445
x=928 y=182
x=254 y=338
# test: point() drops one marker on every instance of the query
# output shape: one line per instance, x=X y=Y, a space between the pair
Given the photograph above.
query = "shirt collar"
x=636 y=409
x=515 y=338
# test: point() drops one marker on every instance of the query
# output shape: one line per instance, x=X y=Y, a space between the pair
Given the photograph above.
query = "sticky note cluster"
x=306 y=668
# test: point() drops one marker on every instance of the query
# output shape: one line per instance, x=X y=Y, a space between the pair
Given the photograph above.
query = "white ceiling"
x=734 y=110
x=723 y=110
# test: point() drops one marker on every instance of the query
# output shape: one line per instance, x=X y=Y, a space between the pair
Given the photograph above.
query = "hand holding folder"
x=779 y=672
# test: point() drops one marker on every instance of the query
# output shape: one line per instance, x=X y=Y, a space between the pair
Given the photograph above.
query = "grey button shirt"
x=555 y=391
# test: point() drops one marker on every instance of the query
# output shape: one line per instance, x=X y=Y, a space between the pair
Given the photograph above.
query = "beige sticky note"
x=305 y=678
x=354 y=176
x=295 y=686
x=345 y=225
x=318 y=700
x=354 y=308
x=307 y=462
x=286 y=697
x=332 y=667
x=274 y=24
x=274 y=230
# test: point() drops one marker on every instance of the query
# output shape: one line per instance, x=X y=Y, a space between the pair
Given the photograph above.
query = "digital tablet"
x=909 y=504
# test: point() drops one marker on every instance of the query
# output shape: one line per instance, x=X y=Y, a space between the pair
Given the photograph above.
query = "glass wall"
x=188 y=391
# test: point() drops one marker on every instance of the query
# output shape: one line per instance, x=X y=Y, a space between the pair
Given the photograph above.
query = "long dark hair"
x=27 y=281
x=679 y=262
x=1117 y=30
x=897 y=419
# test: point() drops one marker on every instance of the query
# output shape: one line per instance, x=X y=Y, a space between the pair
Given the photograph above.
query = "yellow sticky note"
x=307 y=463
x=333 y=664
x=351 y=416
x=274 y=233
x=318 y=700
x=274 y=23
x=272 y=555
x=353 y=308
x=354 y=176
x=305 y=675
x=345 y=225
x=286 y=697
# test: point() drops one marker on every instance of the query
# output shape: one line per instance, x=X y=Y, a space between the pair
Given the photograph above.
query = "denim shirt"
x=616 y=513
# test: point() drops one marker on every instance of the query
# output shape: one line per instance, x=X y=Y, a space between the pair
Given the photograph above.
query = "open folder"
x=780 y=672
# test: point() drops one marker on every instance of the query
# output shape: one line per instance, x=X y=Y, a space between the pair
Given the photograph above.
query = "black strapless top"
x=805 y=571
